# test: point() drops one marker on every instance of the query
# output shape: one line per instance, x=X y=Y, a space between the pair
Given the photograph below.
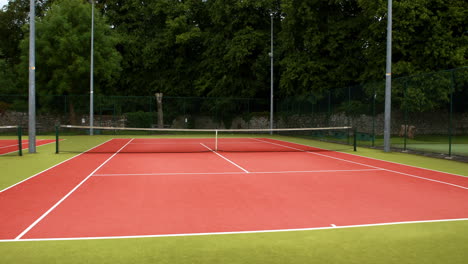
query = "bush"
x=140 y=119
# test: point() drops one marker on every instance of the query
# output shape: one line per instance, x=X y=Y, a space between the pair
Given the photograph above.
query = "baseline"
x=122 y=206
x=235 y=232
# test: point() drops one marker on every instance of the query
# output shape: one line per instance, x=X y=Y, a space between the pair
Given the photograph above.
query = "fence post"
x=56 y=139
x=329 y=108
x=355 y=139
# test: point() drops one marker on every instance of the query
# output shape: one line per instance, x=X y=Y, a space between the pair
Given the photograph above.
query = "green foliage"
x=353 y=108
x=63 y=50
x=321 y=44
x=220 y=48
x=428 y=35
x=140 y=119
x=7 y=77
x=13 y=20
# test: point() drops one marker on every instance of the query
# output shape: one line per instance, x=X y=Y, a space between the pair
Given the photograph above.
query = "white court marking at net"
x=367 y=165
x=196 y=143
x=52 y=167
x=14 y=145
x=167 y=143
x=24 y=143
x=230 y=161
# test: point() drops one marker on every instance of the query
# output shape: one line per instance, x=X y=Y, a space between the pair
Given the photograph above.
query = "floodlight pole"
x=91 y=75
x=271 y=74
x=388 y=81
x=32 y=79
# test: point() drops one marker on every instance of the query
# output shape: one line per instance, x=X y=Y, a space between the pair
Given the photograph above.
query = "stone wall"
x=425 y=123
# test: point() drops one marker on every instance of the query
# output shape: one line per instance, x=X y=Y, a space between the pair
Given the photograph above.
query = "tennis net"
x=11 y=140
x=143 y=140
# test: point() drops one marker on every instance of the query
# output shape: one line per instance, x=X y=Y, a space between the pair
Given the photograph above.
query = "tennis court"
x=130 y=187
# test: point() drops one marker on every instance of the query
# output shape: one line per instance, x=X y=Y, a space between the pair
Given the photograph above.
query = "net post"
x=56 y=139
x=216 y=140
x=355 y=139
x=20 y=143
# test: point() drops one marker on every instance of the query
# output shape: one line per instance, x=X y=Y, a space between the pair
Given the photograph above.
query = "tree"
x=7 y=79
x=321 y=45
x=194 y=48
x=235 y=62
x=428 y=35
x=12 y=21
x=63 y=51
x=13 y=18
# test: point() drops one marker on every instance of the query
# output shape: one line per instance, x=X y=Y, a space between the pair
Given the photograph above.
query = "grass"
x=437 y=144
x=457 y=149
x=410 y=243
x=443 y=242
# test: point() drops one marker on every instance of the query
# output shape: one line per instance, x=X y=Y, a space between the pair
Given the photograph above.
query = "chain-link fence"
x=429 y=112
x=136 y=111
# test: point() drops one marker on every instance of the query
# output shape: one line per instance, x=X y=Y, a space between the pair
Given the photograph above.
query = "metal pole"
x=91 y=75
x=32 y=79
x=271 y=73
x=388 y=81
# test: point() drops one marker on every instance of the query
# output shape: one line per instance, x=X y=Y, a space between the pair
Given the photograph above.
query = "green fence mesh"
x=429 y=112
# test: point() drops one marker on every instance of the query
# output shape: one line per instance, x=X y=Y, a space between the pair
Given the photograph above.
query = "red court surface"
x=114 y=193
x=11 y=145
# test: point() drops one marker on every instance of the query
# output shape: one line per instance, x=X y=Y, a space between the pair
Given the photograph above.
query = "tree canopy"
x=220 y=48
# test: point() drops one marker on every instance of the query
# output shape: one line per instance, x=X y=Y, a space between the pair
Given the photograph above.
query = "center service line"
x=230 y=161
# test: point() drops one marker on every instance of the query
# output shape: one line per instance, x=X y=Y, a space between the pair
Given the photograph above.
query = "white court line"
x=53 y=167
x=14 y=145
x=24 y=148
x=370 y=166
x=237 y=232
x=228 y=173
x=354 y=155
x=167 y=143
x=68 y=194
x=232 y=162
x=26 y=142
x=193 y=143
